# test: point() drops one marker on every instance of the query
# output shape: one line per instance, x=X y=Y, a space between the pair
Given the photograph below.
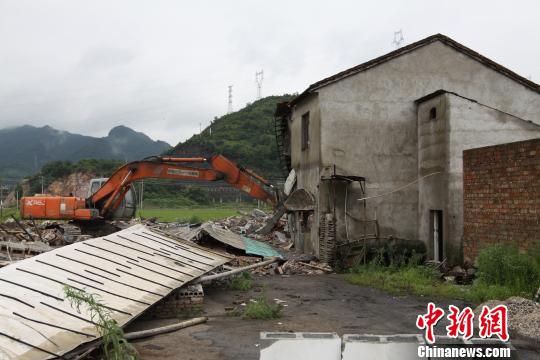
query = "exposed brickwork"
x=501 y=196
x=183 y=303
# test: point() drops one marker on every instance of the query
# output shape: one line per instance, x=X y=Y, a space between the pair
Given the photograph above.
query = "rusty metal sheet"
x=129 y=270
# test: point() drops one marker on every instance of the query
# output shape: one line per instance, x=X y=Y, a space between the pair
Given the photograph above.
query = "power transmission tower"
x=259 y=76
x=230 y=108
x=398 y=39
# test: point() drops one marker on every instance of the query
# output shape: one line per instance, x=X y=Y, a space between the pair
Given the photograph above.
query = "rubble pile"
x=22 y=239
x=249 y=224
x=523 y=315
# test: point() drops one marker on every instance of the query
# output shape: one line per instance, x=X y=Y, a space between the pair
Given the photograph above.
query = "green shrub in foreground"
x=502 y=273
x=505 y=266
x=242 y=282
x=261 y=309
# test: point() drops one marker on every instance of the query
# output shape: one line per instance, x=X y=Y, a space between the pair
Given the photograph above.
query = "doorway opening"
x=436 y=231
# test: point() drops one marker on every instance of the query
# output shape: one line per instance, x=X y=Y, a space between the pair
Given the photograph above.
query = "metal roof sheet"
x=129 y=270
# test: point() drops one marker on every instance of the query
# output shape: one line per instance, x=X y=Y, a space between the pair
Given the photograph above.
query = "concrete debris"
x=523 y=315
x=281 y=237
x=295 y=265
x=32 y=238
x=258 y=213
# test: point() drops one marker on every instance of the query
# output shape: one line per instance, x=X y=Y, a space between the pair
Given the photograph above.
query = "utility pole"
x=1 y=201
x=398 y=39
x=259 y=76
x=17 y=199
x=142 y=193
x=42 y=191
x=230 y=108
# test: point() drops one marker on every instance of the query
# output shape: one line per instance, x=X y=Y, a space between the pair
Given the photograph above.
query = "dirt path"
x=314 y=303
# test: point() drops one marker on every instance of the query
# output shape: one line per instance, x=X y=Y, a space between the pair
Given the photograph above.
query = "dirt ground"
x=325 y=303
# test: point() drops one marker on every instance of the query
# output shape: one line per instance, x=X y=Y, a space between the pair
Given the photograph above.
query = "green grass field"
x=6 y=213
x=194 y=214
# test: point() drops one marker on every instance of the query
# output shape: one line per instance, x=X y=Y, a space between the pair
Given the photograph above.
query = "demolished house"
x=376 y=150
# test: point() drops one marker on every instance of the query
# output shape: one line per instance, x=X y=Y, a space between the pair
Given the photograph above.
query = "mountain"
x=25 y=149
x=246 y=136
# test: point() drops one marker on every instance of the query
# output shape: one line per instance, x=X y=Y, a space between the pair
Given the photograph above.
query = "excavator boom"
x=110 y=195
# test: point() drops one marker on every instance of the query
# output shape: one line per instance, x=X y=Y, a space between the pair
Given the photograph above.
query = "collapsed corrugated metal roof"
x=227 y=237
x=129 y=270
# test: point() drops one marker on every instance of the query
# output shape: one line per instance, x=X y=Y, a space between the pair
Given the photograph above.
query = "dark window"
x=433 y=113
x=305 y=131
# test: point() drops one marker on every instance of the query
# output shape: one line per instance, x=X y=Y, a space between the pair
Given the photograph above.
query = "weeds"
x=115 y=346
x=243 y=282
x=261 y=309
x=505 y=266
x=502 y=272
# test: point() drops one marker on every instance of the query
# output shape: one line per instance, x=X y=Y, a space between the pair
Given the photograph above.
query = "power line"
x=259 y=77
x=230 y=108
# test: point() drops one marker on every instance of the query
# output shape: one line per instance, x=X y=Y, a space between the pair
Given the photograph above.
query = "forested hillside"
x=25 y=149
x=246 y=136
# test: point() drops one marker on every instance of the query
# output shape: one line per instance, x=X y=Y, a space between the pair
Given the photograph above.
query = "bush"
x=261 y=309
x=502 y=273
x=424 y=281
x=242 y=282
x=505 y=266
x=195 y=219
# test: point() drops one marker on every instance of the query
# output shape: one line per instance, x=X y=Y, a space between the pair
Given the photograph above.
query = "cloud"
x=104 y=57
x=163 y=68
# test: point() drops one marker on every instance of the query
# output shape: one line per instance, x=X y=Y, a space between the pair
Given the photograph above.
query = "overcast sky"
x=163 y=67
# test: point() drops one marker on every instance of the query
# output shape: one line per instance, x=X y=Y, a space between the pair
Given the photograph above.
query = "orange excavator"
x=105 y=201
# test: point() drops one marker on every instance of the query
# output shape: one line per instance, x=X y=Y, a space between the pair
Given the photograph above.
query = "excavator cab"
x=127 y=208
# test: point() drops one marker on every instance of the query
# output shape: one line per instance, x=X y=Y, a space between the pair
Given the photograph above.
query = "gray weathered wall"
x=433 y=153
x=368 y=126
x=461 y=124
x=307 y=164
x=473 y=126
x=368 y=122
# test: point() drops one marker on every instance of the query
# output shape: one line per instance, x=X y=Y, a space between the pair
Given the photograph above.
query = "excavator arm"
x=110 y=195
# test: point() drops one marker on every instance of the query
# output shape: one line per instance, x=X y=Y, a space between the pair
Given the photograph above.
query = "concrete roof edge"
x=442 y=91
x=411 y=47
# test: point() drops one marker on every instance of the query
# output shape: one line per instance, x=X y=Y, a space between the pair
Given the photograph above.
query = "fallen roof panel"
x=129 y=270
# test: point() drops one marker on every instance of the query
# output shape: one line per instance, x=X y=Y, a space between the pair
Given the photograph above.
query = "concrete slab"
x=300 y=346
x=375 y=347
